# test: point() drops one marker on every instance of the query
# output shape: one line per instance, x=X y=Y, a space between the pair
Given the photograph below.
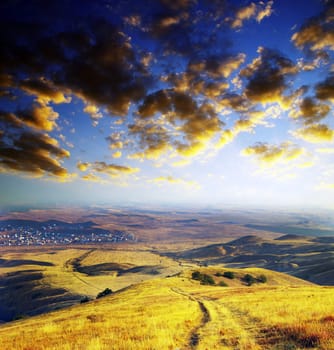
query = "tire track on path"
x=194 y=338
x=223 y=326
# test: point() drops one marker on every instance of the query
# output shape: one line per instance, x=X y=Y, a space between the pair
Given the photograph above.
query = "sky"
x=197 y=102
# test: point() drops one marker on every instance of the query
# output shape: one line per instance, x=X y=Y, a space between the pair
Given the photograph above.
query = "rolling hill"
x=36 y=280
x=310 y=258
x=180 y=313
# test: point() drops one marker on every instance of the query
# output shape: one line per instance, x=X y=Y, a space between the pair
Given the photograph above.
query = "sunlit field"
x=149 y=316
x=180 y=313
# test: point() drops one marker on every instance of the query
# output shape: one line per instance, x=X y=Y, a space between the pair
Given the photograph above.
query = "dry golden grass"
x=292 y=315
x=62 y=275
x=148 y=316
x=180 y=313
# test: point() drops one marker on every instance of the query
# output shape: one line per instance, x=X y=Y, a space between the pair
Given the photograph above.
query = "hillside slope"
x=37 y=280
x=309 y=258
x=180 y=313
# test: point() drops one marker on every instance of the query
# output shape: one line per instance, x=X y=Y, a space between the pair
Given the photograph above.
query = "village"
x=30 y=233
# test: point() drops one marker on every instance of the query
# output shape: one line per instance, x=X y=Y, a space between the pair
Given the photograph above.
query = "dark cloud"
x=154 y=140
x=154 y=103
x=317 y=34
x=325 y=89
x=48 y=54
x=217 y=67
x=28 y=151
x=40 y=117
x=88 y=57
x=236 y=102
x=169 y=63
x=267 y=76
x=310 y=111
x=44 y=90
x=186 y=124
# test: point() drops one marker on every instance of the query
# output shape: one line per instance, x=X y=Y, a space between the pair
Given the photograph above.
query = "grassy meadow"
x=181 y=313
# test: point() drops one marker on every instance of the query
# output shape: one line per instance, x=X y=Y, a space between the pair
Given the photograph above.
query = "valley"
x=240 y=287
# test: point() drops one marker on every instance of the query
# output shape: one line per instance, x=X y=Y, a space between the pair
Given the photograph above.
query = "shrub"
x=229 y=274
x=249 y=279
x=84 y=300
x=196 y=275
x=218 y=274
x=207 y=279
x=262 y=279
x=202 y=277
x=223 y=284
x=107 y=291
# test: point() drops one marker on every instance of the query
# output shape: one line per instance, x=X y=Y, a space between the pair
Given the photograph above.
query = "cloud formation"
x=172 y=180
x=269 y=154
x=169 y=71
x=311 y=111
x=267 y=77
x=317 y=33
x=257 y=11
x=98 y=167
x=325 y=90
x=30 y=152
x=315 y=133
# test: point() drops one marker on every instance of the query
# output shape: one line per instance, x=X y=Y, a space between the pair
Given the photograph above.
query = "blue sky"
x=167 y=102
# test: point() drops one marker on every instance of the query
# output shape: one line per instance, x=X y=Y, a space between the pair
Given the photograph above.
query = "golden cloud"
x=177 y=181
x=317 y=33
x=310 y=111
x=181 y=162
x=190 y=150
x=217 y=67
x=93 y=178
x=184 y=125
x=154 y=103
x=325 y=89
x=226 y=137
x=315 y=133
x=154 y=139
x=94 y=113
x=266 y=77
x=83 y=166
x=33 y=153
x=242 y=14
x=257 y=11
x=44 y=90
x=112 y=169
x=40 y=117
x=116 y=145
x=264 y=12
x=269 y=154
x=117 y=154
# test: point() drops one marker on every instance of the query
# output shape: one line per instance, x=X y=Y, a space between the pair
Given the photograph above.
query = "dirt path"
x=222 y=326
x=195 y=334
x=194 y=338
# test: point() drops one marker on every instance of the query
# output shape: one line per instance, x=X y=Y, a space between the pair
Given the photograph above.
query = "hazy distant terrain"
x=170 y=226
